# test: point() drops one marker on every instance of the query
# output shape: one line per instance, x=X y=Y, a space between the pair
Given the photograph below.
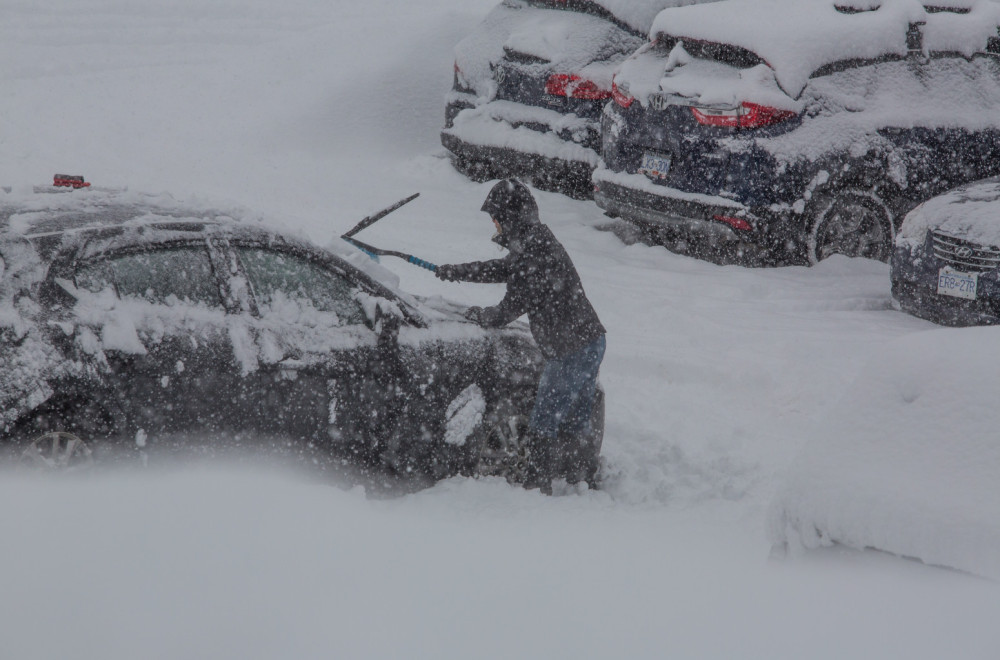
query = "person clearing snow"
x=542 y=282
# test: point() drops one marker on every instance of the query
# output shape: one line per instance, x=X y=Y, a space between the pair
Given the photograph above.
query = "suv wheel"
x=853 y=223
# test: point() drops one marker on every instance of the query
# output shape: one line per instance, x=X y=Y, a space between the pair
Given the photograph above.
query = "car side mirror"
x=383 y=318
x=387 y=329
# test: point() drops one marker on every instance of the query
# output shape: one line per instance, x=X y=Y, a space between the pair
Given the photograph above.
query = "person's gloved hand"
x=446 y=272
x=474 y=314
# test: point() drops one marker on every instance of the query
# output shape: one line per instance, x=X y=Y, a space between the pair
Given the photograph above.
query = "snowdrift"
x=909 y=460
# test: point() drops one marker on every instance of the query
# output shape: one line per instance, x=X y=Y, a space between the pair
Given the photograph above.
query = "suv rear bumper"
x=687 y=219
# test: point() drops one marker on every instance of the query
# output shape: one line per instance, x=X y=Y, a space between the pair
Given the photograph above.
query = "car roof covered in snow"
x=798 y=37
x=71 y=220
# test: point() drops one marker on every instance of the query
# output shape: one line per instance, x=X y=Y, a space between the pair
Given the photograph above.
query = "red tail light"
x=748 y=115
x=621 y=96
x=735 y=223
x=572 y=85
x=69 y=181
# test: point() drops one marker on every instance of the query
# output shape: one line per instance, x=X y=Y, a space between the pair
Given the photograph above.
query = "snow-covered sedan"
x=132 y=323
x=530 y=84
x=770 y=131
x=946 y=265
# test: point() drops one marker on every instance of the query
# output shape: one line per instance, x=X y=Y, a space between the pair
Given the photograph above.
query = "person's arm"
x=485 y=272
x=511 y=307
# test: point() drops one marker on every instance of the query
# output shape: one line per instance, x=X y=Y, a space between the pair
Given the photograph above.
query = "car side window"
x=280 y=278
x=171 y=276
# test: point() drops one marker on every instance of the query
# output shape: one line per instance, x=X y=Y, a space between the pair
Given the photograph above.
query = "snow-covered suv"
x=133 y=324
x=530 y=84
x=789 y=130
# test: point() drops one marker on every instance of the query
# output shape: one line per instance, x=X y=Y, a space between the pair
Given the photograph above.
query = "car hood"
x=436 y=309
x=970 y=212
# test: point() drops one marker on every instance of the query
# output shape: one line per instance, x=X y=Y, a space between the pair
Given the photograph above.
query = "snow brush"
x=372 y=219
x=375 y=252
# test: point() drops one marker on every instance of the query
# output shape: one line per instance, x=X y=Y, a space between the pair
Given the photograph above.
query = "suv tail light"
x=734 y=222
x=748 y=115
x=573 y=86
x=620 y=94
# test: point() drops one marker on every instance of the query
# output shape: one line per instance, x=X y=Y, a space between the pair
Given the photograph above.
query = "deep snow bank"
x=909 y=461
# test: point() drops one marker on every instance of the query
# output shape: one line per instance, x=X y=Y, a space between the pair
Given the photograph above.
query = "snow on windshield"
x=797 y=37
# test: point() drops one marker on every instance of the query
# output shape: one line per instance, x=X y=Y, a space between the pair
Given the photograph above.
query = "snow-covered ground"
x=317 y=113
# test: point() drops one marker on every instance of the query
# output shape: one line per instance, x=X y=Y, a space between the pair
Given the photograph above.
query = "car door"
x=156 y=320
x=327 y=374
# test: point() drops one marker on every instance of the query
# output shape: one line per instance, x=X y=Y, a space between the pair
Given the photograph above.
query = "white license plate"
x=959 y=285
x=655 y=165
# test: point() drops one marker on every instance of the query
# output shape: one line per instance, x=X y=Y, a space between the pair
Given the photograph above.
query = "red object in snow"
x=69 y=181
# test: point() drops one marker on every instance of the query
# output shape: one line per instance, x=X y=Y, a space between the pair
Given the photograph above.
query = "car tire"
x=854 y=223
x=57 y=451
x=500 y=445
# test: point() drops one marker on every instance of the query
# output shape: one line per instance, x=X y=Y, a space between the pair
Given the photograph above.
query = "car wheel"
x=501 y=447
x=57 y=451
x=853 y=223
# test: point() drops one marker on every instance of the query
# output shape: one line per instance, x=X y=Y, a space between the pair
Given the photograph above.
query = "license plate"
x=655 y=166
x=959 y=285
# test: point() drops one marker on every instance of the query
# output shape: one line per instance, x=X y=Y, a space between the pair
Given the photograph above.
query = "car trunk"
x=688 y=118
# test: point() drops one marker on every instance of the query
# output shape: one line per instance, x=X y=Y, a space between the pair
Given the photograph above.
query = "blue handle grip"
x=423 y=264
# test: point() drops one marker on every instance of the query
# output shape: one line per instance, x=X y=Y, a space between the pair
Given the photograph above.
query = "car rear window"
x=735 y=56
x=280 y=278
x=170 y=276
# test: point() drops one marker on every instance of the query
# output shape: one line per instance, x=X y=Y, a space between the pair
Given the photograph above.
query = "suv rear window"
x=170 y=276
x=734 y=56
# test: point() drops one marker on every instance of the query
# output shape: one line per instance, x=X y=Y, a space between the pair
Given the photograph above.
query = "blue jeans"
x=565 y=398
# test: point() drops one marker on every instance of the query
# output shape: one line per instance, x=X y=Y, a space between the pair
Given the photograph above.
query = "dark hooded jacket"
x=541 y=279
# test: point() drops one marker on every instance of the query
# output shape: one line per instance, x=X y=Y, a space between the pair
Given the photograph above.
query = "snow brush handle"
x=423 y=264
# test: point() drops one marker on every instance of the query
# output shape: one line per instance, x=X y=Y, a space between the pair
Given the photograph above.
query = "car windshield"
x=281 y=279
x=171 y=276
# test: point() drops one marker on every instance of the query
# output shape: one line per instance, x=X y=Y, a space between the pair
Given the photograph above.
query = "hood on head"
x=513 y=206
